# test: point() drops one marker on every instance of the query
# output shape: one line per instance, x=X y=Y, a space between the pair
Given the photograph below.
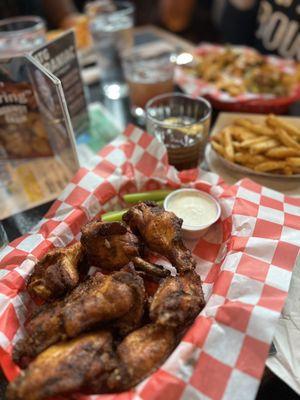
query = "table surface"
x=21 y=223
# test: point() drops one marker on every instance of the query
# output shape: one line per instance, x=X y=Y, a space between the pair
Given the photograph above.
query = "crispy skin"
x=143 y=351
x=56 y=273
x=161 y=232
x=151 y=270
x=90 y=364
x=68 y=367
x=132 y=319
x=177 y=301
x=109 y=245
x=93 y=362
x=100 y=299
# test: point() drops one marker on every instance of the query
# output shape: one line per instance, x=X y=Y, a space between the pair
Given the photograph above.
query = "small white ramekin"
x=194 y=232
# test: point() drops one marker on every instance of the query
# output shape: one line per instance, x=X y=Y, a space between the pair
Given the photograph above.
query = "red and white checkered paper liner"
x=245 y=262
x=243 y=102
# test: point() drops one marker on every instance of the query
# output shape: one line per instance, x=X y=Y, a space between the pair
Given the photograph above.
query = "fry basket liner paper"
x=256 y=102
x=285 y=363
x=245 y=261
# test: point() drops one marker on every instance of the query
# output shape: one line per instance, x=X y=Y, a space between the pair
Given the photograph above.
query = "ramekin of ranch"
x=198 y=210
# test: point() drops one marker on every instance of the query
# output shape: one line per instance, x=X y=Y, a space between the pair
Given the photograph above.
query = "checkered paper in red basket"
x=245 y=262
x=247 y=102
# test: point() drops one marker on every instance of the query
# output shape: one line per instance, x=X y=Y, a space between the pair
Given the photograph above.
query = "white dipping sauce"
x=193 y=208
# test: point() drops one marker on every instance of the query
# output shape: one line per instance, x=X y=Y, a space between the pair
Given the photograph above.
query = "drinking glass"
x=147 y=75
x=20 y=35
x=111 y=25
x=182 y=123
x=3 y=237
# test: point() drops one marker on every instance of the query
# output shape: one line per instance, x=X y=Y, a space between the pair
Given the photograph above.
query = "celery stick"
x=112 y=216
x=153 y=195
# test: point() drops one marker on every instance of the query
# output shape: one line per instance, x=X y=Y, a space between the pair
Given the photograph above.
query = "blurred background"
x=195 y=20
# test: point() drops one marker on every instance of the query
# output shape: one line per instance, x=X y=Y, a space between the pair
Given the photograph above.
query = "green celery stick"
x=112 y=216
x=153 y=195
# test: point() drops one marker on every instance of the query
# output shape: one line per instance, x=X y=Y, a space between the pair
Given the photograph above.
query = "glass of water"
x=21 y=35
x=182 y=123
x=111 y=24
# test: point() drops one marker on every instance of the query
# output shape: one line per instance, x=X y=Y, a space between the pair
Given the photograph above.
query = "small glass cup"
x=21 y=35
x=111 y=24
x=3 y=237
x=182 y=123
x=147 y=75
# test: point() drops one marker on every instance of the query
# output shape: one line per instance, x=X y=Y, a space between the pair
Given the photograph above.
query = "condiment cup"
x=193 y=231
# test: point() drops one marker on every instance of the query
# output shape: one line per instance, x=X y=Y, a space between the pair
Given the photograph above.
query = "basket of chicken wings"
x=129 y=334
x=97 y=308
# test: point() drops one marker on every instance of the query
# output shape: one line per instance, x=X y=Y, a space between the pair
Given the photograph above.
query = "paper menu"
x=35 y=135
x=59 y=58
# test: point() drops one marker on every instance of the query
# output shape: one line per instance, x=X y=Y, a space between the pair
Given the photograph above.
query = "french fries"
x=274 y=121
x=229 y=149
x=286 y=139
x=240 y=133
x=270 y=166
x=272 y=146
x=255 y=128
x=218 y=147
x=293 y=161
x=263 y=146
x=250 y=142
x=282 y=152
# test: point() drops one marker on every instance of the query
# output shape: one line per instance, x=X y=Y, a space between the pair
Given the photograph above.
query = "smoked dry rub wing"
x=111 y=245
x=92 y=364
x=118 y=298
x=56 y=273
x=68 y=367
x=177 y=301
x=160 y=230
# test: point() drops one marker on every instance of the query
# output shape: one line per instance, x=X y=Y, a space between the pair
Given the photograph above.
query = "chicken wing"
x=140 y=353
x=132 y=319
x=117 y=298
x=95 y=362
x=109 y=245
x=90 y=364
x=161 y=232
x=68 y=367
x=56 y=273
x=177 y=301
x=143 y=351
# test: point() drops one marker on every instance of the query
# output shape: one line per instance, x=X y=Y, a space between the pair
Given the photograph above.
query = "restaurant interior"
x=149 y=199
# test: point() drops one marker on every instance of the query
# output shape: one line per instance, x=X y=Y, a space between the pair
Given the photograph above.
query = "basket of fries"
x=238 y=78
x=270 y=146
